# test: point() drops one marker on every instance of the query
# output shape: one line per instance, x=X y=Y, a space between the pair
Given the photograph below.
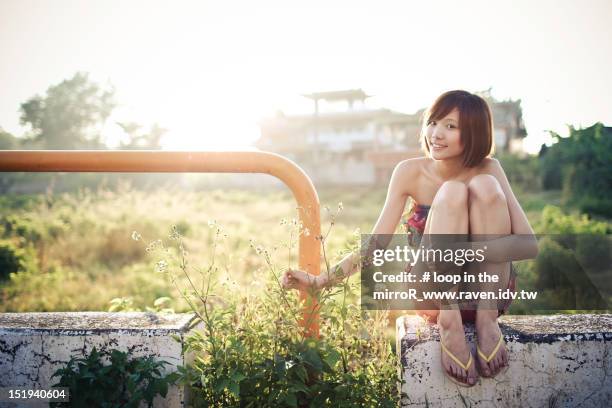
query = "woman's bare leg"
x=449 y=215
x=489 y=219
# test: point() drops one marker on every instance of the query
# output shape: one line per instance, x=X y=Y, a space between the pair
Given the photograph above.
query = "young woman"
x=456 y=189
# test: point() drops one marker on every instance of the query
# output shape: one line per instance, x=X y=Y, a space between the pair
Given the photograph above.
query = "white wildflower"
x=161 y=266
x=174 y=233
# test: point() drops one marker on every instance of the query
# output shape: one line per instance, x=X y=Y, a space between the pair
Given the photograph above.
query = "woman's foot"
x=492 y=353
x=457 y=359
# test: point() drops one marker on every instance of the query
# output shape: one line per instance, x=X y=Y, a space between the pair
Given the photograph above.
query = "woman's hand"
x=296 y=279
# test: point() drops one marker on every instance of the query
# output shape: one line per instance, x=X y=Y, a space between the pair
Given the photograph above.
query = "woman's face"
x=444 y=137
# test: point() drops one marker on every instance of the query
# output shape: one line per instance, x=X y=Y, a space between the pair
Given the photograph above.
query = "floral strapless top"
x=415 y=224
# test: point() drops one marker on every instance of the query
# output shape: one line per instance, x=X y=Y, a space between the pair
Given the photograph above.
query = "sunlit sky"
x=209 y=71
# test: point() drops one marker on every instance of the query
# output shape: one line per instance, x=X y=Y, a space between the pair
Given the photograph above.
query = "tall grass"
x=81 y=255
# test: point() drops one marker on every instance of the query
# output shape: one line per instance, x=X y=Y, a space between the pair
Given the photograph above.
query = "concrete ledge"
x=555 y=361
x=34 y=345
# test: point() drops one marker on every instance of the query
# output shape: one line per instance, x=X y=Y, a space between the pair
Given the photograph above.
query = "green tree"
x=580 y=164
x=70 y=115
x=7 y=141
x=522 y=172
x=139 y=139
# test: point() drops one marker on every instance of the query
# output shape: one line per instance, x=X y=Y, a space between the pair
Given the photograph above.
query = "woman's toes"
x=463 y=375
x=500 y=362
x=455 y=371
x=495 y=365
x=458 y=373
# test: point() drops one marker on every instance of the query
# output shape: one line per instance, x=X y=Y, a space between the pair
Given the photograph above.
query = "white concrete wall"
x=555 y=361
x=34 y=345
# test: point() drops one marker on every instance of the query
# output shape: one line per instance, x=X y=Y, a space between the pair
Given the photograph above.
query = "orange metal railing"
x=194 y=162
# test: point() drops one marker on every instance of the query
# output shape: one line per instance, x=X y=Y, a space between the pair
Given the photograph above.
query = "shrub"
x=554 y=221
x=25 y=228
x=573 y=261
x=124 y=382
x=12 y=259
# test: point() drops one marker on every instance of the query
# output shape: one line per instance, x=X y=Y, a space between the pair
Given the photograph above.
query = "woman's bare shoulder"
x=412 y=166
x=406 y=174
x=490 y=165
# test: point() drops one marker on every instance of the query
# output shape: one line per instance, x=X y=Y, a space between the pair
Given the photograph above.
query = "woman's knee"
x=485 y=189
x=451 y=195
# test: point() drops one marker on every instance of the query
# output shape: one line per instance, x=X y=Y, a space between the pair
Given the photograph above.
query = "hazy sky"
x=208 y=71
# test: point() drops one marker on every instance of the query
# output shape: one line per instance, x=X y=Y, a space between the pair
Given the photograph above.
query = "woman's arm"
x=397 y=194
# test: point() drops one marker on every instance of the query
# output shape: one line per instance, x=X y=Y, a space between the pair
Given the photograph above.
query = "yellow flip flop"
x=493 y=353
x=465 y=366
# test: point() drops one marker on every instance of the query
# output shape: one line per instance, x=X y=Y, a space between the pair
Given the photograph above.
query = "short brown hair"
x=475 y=124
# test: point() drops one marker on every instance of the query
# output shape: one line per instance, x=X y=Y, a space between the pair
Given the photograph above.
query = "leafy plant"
x=124 y=382
x=126 y=304
x=253 y=350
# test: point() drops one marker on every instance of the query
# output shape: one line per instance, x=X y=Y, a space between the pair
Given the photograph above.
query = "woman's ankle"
x=448 y=319
x=486 y=316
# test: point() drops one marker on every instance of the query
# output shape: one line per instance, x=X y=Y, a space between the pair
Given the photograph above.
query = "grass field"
x=81 y=255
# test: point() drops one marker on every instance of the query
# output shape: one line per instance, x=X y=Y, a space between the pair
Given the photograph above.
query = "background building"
x=350 y=144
